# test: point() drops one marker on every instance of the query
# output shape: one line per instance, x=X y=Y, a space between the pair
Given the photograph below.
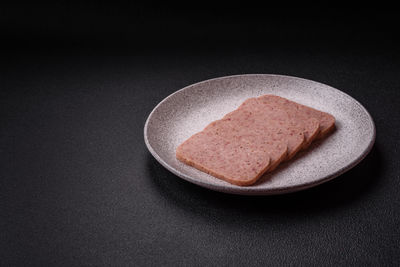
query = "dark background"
x=78 y=186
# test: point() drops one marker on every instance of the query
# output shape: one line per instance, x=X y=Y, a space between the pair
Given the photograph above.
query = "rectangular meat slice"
x=291 y=129
x=229 y=160
x=246 y=132
x=304 y=113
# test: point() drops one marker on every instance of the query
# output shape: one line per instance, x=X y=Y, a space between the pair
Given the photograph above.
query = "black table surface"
x=79 y=187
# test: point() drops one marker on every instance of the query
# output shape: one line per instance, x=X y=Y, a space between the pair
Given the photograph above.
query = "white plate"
x=190 y=109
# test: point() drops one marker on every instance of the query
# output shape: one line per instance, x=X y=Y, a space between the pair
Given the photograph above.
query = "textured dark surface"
x=78 y=187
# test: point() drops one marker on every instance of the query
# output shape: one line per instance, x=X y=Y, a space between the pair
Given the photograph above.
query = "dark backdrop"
x=78 y=187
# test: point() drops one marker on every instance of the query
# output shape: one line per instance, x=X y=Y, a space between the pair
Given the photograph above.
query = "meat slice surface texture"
x=226 y=159
x=270 y=118
x=258 y=138
x=301 y=112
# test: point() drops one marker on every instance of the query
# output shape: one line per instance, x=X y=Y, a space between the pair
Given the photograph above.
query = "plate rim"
x=248 y=190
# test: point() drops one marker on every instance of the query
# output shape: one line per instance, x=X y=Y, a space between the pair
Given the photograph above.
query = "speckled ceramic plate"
x=190 y=109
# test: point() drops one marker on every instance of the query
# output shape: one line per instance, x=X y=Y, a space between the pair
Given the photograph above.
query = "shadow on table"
x=342 y=191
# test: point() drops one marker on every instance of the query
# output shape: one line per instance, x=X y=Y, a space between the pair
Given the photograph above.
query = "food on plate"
x=254 y=139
